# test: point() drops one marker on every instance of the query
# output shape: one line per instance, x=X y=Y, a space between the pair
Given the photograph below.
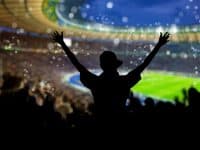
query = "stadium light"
x=173 y=29
x=159 y=29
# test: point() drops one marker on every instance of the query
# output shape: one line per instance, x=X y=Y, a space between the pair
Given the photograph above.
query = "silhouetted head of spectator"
x=193 y=96
x=149 y=102
x=11 y=82
x=109 y=61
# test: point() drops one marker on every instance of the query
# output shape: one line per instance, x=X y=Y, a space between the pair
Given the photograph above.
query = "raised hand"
x=57 y=37
x=162 y=41
x=163 y=38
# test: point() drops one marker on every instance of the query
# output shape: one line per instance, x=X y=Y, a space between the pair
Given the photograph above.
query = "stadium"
x=91 y=27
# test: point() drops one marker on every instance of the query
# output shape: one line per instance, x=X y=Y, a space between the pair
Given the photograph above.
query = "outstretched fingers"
x=55 y=36
x=164 y=38
x=167 y=35
x=160 y=34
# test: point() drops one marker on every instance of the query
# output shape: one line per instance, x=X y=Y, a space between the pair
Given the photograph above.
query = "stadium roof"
x=29 y=16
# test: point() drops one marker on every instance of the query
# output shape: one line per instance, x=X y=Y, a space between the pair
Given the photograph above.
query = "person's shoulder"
x=131 y=78
x=88 y=76
x=88 y=73
x=132 y=74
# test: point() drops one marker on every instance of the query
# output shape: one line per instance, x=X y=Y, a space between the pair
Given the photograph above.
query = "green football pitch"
x=165 y=85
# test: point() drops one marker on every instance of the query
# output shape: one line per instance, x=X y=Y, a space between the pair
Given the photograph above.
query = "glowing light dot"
x=184 y=55
x=187 y=7
x=116 y=42
x=88 y=27
x=20 y=30
x=75 y=53
x=42 y=84
x=71 y=15
x=87 y=6
x=173 y=29
x=159 y=29
x=30 y=9
x=140 y=58
x=196 y=7
x=168 y=52
x=109 y=5
x=195 y=29
x=132 y=29
x=124 y=19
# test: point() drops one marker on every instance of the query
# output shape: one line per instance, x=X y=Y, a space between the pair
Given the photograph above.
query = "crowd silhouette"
x=20 y=108
x=27 y=104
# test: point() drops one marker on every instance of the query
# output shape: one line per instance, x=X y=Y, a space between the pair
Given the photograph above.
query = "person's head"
x=193 y=96
x=11 y=82
x=149 y=102
x=109 y=61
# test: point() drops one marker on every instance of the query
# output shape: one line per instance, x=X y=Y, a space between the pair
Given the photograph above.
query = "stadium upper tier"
x=43 y=17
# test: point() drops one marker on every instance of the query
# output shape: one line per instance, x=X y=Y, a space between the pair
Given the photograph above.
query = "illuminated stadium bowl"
x=105 y=19
x=141 y=21
x=129 y=22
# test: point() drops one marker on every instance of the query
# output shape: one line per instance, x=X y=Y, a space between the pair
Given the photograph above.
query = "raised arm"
x=162 y=41
x=59 y=39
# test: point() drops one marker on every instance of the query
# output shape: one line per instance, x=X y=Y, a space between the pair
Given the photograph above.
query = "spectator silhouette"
x=149 y=105
x=109 y=90
x=194 y=99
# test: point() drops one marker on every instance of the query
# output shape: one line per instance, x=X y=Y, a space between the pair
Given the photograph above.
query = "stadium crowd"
x=132 y=53
x=27 y=101
x=28 y=104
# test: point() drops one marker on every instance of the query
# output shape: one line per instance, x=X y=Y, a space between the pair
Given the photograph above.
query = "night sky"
x=142 y=12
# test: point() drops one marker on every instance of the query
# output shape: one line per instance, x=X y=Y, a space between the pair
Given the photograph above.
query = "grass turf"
x=165 y=85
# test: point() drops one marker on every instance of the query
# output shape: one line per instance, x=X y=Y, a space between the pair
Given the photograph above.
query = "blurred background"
x=130 y=28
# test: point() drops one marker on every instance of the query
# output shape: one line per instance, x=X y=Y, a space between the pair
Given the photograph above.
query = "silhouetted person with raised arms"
x=109 y=90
